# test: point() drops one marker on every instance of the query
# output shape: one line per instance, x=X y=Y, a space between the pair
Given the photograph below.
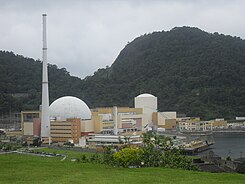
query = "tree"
x=37 y=142
x=159 y=151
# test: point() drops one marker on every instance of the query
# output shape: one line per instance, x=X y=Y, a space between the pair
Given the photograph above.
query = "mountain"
x=20 y=83
x=189 y=70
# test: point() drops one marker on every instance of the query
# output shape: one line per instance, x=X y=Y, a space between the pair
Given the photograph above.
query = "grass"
x=15 y=168
x=70 y=153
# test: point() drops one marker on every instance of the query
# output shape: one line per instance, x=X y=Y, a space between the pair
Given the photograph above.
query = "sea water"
x=228 y=144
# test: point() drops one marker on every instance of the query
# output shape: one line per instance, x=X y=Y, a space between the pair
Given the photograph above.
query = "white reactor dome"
x=69 y=107
x=145 y=95
x=146 y=101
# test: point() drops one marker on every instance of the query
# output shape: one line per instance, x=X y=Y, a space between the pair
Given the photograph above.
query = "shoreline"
x=229 y=131
x=213 y=132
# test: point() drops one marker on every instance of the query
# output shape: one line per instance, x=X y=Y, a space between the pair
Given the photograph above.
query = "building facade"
x=166 y=120
x=66 y=131
x=128 y=120
x=31 y=123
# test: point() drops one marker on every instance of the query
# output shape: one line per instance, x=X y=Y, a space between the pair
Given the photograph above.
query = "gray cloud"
x=86 y=35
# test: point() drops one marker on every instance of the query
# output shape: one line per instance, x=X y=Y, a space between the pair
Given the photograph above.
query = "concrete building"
x=99 y=140
x=31 y=123
x=13 y=133
x=148 y=103
x=128 y=120
x=218 y=123
x=166 y=120
x=193 y=124
x=64 y=131
x=188 y=126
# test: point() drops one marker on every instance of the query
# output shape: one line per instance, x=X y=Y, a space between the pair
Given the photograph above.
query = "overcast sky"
x=84 y=35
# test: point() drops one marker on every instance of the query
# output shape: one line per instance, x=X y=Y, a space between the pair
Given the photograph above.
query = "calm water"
x=232 y=144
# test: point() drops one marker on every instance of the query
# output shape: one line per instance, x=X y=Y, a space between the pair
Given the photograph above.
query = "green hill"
x=20 y=83
x=189 y=70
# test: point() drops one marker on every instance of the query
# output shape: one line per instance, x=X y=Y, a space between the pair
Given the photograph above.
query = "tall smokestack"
x=115 y=130
x=45 y=122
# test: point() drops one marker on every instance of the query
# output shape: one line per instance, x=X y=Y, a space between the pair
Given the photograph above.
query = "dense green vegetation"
x=20 y=83
x=26 y=169
x=189 y=70
x=156 y=151
x=9 y=146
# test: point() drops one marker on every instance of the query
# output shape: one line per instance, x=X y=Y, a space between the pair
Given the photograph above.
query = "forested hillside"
x=189 y=70
x=20 y=83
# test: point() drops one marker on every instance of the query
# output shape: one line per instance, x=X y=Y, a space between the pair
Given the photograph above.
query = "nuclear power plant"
x=69 y=119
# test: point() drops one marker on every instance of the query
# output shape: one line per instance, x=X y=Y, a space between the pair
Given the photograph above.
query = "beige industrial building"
x=60 y=131
x=71 y=119
x=70 y=130
x=99 y=140
x=166 y=120
x=192 y=124
x=128 y=119
x=30 y=123
x=217 y=123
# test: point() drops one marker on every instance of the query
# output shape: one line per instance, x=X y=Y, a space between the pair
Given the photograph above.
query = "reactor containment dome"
x=69 y=107
x=146 y=101
x=145 y=95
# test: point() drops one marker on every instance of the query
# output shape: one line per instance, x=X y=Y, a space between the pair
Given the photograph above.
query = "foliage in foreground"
x=128 y=157
x=9 y=146
x=157 y=151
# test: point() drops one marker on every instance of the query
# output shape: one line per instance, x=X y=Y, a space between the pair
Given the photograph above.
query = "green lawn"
x=69 y=153
x=15 y=168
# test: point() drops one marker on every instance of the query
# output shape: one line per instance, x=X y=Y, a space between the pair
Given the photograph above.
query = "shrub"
x=107 y=157
x=157 y=151
x=128 y=157
x=83 y=158
x=95 y=158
